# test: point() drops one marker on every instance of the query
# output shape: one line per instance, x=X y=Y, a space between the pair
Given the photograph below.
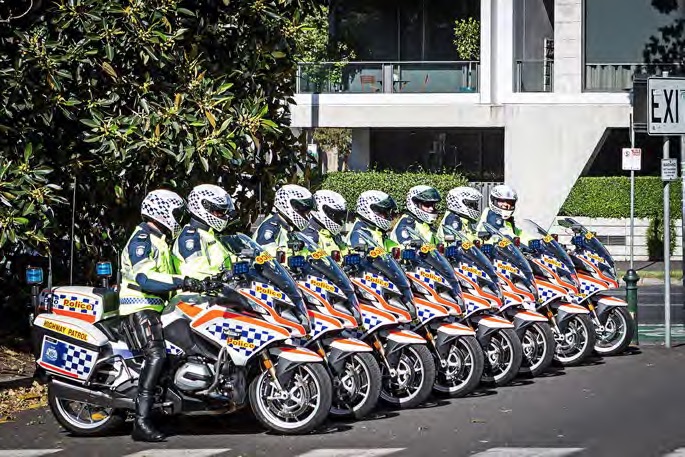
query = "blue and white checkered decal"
x=318 y=325
x=370 y=320
x=152 y=301
x=428 y=277
x=545 y=293
x=424 y=313
x=586 y=288
x=76 y=361
x=553 y=263
x=311 y=284
x=372 y=280
x=505 y=268
x=68 y=302
x=252 y=337
x=265 y=293
x=171 y=348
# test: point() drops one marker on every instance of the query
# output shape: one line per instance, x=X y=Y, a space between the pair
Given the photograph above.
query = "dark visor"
x=336 y=215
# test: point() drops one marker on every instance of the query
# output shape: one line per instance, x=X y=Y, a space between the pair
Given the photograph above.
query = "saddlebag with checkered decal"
x=89 y=304
x=68 y=347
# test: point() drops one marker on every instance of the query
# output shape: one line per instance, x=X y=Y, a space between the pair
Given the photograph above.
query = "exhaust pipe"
x=77 y=393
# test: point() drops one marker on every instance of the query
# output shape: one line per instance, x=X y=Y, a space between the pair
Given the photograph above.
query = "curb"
x=14 y=383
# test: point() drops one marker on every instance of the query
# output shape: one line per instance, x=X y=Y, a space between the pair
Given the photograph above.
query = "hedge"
x=350 y=184
x=610 y=197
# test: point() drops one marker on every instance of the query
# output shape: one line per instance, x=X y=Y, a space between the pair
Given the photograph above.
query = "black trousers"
x=146 y=327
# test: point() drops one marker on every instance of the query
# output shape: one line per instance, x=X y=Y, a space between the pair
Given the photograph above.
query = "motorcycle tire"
x=421 y=355
x=471 y=353
x=624 y=337
x=367 y=363
x=310 y=378
x=100 y=421
x=538 y=349
x=584 y=321
x=514 y=355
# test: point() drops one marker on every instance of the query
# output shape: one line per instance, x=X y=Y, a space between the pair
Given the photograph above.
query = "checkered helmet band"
x=287 y=197
x=328 y=200
x=206 y=196
x=423 y=194
x=465 y=201
x=160 y=206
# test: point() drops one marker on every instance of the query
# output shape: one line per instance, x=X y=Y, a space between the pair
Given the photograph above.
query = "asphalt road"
x=632 y=405
x=651 y=300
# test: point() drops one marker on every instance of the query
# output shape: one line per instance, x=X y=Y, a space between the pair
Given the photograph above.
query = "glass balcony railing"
x=387 y=77
x=534 y=76
x=618 y=77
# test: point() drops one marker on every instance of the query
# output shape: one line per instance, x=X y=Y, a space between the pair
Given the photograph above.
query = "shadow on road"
x=377 y=415
x=433 y=403
x=482 y=392
x=518 y=382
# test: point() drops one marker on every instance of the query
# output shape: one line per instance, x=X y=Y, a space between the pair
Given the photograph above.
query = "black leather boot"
x=143 y=430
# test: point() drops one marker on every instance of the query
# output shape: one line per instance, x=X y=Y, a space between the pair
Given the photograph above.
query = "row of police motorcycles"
x=305 y=335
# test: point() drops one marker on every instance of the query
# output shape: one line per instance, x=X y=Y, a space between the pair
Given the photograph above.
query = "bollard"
x=631 y=278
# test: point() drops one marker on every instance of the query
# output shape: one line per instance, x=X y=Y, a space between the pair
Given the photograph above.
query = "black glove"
x=193 y=285
x=211 y=285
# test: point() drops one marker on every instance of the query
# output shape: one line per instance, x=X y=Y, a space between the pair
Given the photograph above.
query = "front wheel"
x=357 y=387
x=300 y=407
x=503 y=357
x=616 y=333
x=462 y=369
x=412 y=378
x=538 y=349
x=84 y=419
x=577 y=342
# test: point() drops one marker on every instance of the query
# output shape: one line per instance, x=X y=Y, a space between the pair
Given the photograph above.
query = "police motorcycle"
x=511 y=294
x=437 y=296
x=333 y=311
x=596 y=272
x=556 y=282
x=225 y=350
x=500 y=344
x=387 y=308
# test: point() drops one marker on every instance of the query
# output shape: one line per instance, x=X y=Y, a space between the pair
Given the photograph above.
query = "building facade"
x=536 y=107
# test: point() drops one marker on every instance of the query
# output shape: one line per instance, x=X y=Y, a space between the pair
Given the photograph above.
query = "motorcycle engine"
x=193 y=375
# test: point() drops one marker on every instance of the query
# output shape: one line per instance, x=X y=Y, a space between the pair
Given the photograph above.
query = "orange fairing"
x=436 y=296
x=479 y=289
x=440 y=310
x=601 y=276
x=329 y=308
x=84 y=317
x=374 y=310
x=384 y=303
x=328 y=320
x=599 y=283
x=215 y=313
x=516 y=290
x=558 y=289
x=189 y=309
x=274 y=315
x=564 y=284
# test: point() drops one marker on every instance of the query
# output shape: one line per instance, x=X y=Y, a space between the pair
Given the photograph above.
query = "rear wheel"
x=357 y=387
x=84 y=419
x=503 y=357
x=616 y=333
x=577 y=342
x=538 y=349
x=463 y=368
x=412 y=380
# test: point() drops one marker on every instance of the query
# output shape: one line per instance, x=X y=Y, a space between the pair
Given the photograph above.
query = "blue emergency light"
x=450 y=251
x=535 y=245
x=486 y=249
x=352 y=259
x=408 y=254
x=240 y=268
x=103 y=269
x=34 y=276
x=296 y=261
x=578 y=240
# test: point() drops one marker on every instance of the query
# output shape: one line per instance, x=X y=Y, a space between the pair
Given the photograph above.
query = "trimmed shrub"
x=350 y=184
x=610 y=197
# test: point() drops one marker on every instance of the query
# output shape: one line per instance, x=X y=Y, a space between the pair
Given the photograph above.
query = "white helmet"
x=294 y=203
x=378 y=208
x=465 y=201
x=503 y=194
x=422 y=202
x=212 y=205
x=165 y=208
x=330 y=211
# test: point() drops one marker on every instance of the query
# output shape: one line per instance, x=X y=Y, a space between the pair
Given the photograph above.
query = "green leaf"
x=185 y=12
x=28 y=151
x=109 y=69
x=205 y=163
x=109 y=51
x=90 y=123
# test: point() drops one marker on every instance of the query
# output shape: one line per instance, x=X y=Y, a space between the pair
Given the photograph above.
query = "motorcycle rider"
x=375 y=213
x=463 y=212
x=291 y=212
x=501 y=212
x=327 y=221
x=148 y=279
x=198 y=251
x=422 y=211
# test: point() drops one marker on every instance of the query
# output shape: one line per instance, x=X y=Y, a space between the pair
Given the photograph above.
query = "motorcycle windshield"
x=506 y=250
x=591 y=243
x=549 y=245
x=432 y=259
x=266 y=269
x=322 y=265
x=386 y=265
x=473 y=255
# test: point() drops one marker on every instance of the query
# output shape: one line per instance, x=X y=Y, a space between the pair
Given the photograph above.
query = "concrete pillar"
x=485 y=73
x=568 y=46
x=360 y=157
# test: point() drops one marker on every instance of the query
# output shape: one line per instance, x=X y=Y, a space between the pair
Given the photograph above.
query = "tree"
x=119 y=97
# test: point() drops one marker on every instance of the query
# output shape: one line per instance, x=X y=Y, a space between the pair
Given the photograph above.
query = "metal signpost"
x=666 y=117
